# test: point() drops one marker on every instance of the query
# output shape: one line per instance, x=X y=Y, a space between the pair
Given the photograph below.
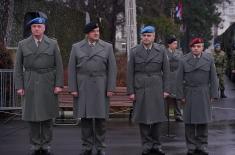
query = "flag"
x=179 y=10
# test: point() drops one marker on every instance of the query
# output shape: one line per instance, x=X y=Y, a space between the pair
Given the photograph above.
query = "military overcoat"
x=197 y=82
x=38 y=70
x=148 y=78
x=92 y=73
x=174 y=60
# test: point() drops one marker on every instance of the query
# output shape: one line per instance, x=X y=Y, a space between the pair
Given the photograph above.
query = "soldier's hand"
x=183 y=101
x=165 y=94
x=57 y=90
x=132 y=97
x=20 y=92
x=233 y=71
x=109 y=93
x=75 y=94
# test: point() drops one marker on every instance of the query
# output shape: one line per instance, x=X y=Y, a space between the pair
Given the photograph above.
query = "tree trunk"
x=4 y=14
x=113 y=23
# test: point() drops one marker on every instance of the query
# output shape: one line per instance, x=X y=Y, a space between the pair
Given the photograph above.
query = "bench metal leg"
x=130 y=115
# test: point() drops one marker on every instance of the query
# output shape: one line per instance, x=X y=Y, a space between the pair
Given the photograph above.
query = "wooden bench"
x=118 y=102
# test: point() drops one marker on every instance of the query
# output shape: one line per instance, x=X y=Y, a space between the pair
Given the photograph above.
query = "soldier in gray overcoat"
x=38 y=75
x=174 y=56
x=92 y=80
x=197 y=87
x=147 y=81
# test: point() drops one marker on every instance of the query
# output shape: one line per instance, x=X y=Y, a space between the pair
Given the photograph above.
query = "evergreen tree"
x=159 y=14
x=198 y=18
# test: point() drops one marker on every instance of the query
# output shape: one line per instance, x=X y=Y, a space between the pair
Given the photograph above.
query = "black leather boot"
x=222 y=95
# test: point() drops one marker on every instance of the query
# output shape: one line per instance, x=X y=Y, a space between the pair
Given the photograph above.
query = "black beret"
x=90 y=26
x=171 y=40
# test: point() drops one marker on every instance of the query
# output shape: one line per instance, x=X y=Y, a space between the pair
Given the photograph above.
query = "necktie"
x=148 y=51
x=92 y=45
x=38 y=43
x=195 y=60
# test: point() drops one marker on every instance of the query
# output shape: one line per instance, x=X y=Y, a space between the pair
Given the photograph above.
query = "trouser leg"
x=190 y=136
x=221 y=85
x=176 y=106
x=100 y=130
x=47 y=133
x=40 y=134
x=146 y=139
x=177 y=109
x=202 y=136
x=155 y=132
x=221 y=81
x=35 y=135
x=87 y=133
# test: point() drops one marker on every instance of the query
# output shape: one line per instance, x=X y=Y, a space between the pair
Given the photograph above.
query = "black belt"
x=195 y=86
x=39 y=70
x=92 y=74
x=150 y=73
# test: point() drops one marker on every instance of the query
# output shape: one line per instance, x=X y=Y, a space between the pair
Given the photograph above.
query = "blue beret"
x=90 y=26
x=38 y=20
x=217 y=45
x=148 y=29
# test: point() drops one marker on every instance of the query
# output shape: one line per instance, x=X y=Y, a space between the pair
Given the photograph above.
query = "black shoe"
x=179 y=119
x=201 y=152
x=100 y=152
x=46 y=152
x=86 y=152
x=36 y=152
x=158 y=151
x=41 y=152
x=146 y=152
x=190 y=152
x=222 y=95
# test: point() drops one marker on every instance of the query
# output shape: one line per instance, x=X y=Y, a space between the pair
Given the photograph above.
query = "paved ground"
x=123 y=138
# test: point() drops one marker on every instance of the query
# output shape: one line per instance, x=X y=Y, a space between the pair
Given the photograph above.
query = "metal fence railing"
x=8 y=97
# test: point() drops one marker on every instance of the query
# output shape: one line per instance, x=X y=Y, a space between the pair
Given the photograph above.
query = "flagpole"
x=131 y=25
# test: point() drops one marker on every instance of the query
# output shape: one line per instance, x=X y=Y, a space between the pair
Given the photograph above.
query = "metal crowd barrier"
x=9 y=101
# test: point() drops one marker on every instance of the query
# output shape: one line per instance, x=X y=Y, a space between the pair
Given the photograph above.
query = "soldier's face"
x=94 y=35
x=37 y=29
x=147 y=38
x=217 y=49
x=173 y=45
x=197 y=48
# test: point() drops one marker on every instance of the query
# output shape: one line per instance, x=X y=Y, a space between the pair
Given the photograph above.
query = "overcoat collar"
x=202 y=60
x=99 y=47
x=42 y=47
x=140 y=50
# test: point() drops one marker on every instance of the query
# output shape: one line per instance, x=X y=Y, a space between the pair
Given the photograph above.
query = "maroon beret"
x=196 y=41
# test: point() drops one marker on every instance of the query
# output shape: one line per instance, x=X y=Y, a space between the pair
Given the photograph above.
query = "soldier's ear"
x=44 y=27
